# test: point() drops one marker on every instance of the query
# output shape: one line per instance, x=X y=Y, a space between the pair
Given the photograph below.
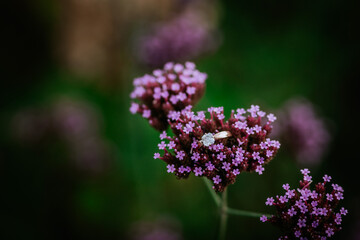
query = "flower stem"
x=245 y=213
x=212 y=192
x=223 y=216
x=218 y=201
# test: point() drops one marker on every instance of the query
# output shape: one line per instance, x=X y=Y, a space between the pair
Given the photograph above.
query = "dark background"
x=270 y=52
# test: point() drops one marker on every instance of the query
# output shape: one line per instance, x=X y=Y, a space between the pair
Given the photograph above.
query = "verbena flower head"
x=182 y=38
x=216 y=148
x=172 y=88
x=308 y=214
x=304 y=130
x=163 y=228
x=72 y=123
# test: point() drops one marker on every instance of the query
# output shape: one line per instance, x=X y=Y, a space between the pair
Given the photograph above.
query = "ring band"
x=222 y=134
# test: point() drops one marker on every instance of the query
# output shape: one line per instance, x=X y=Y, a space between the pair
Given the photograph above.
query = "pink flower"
x=171 y=145
x=190 y=90
x=198 y=171
x=305 y=132
x=162 y=145
x=180 y=38
x=259 y=169
x=219 y=147
x=270 y=201
x=317 y=218
x=171 y=168
x=146 y=113
x=263 y=218
x=217 y=179
x=326 y=178
x=134 y=108
x=271 y=117
x=180 y=155
x=160 y=94
x=163 y=135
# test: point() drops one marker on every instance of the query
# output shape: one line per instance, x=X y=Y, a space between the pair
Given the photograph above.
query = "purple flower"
x=256 y=155
x=198 y=171
x=271 y=117
x=329 y=231
x=269 y=201
x=146 y=113
x=317 y=219
x=221 y=156
x=171 y=168
x=182 y=38
x=162 y=145
x=194 y=144
x=263 y=218
x=171 y=145
x=329 y=197
x=209 y=166
x=165 y=92
x=236 y=172
x=343 y=211
x=304 y=131
x=315 y=224
x=283 y=199
x=156 y=155
x=290 y=193
x=291 y=212
x=226 y=166
x=259 y=169
x=217 y=179
x=286 y=187
x=218 y=152
x=305 y=171
x=163 y=135
x=301 y=223
x=134 y=108
x=326 y=178
x=180 y=155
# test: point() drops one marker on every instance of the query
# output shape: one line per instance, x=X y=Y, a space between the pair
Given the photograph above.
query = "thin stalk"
x=223 y=216
x=212 y=192
x=220 y=203
x=245 y=213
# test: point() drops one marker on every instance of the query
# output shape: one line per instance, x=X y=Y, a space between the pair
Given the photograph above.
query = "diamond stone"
x=207 y=139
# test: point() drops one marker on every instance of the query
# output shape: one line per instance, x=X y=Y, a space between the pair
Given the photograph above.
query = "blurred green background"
x=79 y=55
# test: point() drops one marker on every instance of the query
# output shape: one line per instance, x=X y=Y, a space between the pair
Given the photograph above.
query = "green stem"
x=245 y=213
x=212 y=192
x=223 y=216
x=232 y=211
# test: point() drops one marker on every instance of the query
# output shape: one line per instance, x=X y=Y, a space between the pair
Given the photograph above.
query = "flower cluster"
x=304 y=131
x=308 y=214
x=163 y=228
x=173 y=88
x=217 y=149
x=73 y=123
x=180 y=39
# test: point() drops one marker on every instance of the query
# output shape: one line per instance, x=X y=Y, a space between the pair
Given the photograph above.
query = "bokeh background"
x=75 y=164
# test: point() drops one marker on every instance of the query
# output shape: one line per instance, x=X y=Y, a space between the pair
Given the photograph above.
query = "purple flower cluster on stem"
x=172 y=88
x=217 y=149
x=308 y=214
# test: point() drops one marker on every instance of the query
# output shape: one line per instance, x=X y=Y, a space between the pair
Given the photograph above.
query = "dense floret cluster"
x=181 y=39
x=304 y=131
x=308 y=214
x=170 y=89
x=217 y=149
